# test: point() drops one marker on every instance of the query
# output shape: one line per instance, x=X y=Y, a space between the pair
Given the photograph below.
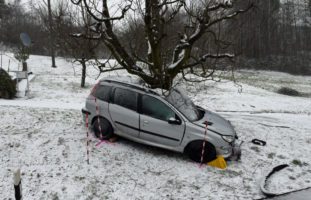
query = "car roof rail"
x=133 y=86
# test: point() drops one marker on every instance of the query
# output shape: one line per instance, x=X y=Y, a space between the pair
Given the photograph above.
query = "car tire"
x=194 y=151
x=102 y=129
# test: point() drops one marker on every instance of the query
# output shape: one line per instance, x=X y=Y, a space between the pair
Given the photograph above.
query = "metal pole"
x=204 y=142
x=27 y=90
x=87 y=138
x=17 y=184
x=1 y=61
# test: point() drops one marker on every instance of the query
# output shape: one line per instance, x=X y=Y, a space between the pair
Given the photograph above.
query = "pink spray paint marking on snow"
x=103 y=142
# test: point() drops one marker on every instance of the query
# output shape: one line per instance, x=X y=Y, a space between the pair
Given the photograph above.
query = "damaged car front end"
x=219 y=131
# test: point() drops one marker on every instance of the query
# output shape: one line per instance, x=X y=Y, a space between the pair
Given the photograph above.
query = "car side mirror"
x=172 y=120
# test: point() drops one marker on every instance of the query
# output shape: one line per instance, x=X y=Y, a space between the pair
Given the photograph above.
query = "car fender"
x=194 y=133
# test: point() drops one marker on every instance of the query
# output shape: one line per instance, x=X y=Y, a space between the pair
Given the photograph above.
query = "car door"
x=123 y=112
x=154 y=125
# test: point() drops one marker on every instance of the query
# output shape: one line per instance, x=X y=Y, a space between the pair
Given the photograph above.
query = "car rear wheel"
x=102 y=129
x=194 y=151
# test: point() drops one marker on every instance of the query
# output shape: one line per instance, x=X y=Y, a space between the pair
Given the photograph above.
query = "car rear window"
x=126 y=98
x=102 y=92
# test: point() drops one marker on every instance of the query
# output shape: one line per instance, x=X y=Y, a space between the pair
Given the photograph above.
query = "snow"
x=43 y=134
x=181 y=56
x=228 y=2
x=225 y=55
x=77 y=34
x=149 y=48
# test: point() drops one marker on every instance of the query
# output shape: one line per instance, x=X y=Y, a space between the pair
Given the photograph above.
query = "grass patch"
x=297 y=162
x=256 y=149
x=271 y=155
x=7 y=86
x=288 y=91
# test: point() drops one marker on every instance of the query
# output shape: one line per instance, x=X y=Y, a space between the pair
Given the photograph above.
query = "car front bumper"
x=236 y=151
x=231 y=152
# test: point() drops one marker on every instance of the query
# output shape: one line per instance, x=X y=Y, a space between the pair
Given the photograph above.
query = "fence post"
x=17 y=184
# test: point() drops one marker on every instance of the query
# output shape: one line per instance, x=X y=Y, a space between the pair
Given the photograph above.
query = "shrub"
x=7 y=85
x=297 y=162
x=288 y=91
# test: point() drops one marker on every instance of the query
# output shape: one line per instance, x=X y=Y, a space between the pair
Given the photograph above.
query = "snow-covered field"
x=44 y=136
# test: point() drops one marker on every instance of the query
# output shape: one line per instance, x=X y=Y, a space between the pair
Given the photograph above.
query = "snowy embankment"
x=44 y=136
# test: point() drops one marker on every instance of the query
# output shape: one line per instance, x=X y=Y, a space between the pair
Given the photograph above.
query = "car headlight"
x=226 y=149
x=228 y=138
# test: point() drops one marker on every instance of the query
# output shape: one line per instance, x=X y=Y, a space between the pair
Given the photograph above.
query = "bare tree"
x=74 y=38
x=201 y=20
x=52 y=40
x=3 y=8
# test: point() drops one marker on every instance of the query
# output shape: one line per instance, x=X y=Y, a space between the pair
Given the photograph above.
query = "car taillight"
x=92 y=94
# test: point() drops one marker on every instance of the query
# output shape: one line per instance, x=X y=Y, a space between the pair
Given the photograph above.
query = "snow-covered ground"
x=44 y=136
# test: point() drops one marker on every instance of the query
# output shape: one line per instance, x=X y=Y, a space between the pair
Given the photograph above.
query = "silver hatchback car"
x=171 y=122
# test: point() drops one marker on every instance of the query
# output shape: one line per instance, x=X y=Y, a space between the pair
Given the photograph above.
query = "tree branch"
x=166 y=2
x=224 y=5
x=229 y=16
x=206 y=56
x=104 y=17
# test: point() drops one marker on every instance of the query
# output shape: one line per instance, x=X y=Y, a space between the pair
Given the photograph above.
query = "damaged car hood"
x=216 y=123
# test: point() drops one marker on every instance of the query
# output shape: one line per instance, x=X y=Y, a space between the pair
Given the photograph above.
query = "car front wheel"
x=194 y=151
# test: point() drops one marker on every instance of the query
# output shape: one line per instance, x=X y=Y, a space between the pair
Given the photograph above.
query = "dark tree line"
x=275 y=36
x=15 y=20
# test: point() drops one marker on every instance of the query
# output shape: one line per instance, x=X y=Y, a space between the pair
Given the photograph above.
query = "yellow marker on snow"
x=219 y=162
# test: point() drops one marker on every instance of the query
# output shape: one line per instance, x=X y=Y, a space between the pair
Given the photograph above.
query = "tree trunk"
x=161 y=81
x=52 y=51
x=24 y=66
x=83 y=73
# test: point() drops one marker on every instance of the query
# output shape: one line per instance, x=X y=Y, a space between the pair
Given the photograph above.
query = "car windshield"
x=178 y=98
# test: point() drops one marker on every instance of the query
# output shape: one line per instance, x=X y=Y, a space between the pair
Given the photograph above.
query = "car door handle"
x=146 y=122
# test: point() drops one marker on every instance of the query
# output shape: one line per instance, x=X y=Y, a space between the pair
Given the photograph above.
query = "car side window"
x=155 y=108
x=102 y=92
x=126 y=98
